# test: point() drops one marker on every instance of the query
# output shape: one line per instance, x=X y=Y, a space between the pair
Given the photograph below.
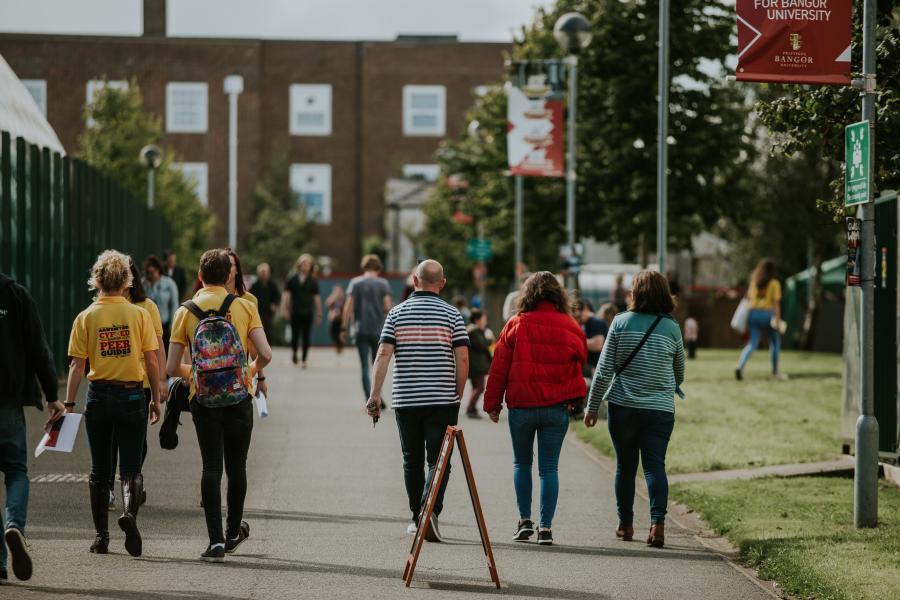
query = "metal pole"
x=663 y=135
x=570 y=157
x=151 y=187
x=865 y=490
x=232 y=169
x=519 y=228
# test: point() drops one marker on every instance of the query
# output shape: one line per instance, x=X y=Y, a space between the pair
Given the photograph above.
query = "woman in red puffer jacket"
x=537 y=364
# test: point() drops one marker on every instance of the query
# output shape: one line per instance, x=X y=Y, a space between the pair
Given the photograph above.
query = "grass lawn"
x=728 y=424
x=799 y=532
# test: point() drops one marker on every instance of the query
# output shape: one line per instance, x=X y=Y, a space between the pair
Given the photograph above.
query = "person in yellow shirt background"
x=223 y=433
x=114 y=335
x=239 y=288
x=764 y=294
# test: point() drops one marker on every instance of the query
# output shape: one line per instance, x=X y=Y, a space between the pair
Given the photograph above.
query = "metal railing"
x=56 y=215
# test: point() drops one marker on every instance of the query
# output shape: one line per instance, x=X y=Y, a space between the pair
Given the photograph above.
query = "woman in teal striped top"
x=641 y=397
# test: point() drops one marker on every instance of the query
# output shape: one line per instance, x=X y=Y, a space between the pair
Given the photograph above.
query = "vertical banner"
x=794 y=41
x=535 y=139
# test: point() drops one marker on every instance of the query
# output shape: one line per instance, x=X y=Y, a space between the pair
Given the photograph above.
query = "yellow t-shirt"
x=113 y=334
x=242 y=314
x=252 y=299
x=768 y=300
x=150 y=306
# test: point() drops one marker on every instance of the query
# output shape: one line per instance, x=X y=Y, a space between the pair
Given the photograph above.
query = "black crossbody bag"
x=633 y=353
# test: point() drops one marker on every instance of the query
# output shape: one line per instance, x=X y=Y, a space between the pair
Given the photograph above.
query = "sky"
x=471 y=20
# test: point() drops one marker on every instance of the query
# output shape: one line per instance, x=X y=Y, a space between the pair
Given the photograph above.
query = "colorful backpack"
x=219 y=366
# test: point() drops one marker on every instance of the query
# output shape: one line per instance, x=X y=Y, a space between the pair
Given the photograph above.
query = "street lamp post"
x=234 y=85
x=573 y=33
x=662 y=158
x=151 y=157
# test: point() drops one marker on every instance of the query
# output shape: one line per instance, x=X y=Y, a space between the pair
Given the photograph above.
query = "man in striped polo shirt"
x=429 y=339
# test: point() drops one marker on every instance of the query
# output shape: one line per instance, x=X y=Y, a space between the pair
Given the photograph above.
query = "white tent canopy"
x=20 y=116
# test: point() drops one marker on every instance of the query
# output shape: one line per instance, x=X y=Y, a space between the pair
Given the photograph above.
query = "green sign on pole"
x=856 y=157
x=479 y=249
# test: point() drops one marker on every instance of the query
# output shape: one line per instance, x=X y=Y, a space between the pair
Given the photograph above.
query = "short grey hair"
x=430 y=272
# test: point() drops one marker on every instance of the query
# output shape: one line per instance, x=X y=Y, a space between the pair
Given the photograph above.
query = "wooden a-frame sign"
x=453 y=434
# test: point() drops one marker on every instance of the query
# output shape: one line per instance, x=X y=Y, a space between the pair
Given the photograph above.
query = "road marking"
x=60 y=478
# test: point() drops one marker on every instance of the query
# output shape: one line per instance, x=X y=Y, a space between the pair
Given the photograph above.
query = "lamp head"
x=573 y=32
x=150 y=156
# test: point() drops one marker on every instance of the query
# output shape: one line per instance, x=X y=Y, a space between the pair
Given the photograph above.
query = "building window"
x=186 y=107
x=38 y=90
x=95 y=85
x=197 y=175
x=424 y=172
x=312 y=184
x=424 y=110
x=310 y=109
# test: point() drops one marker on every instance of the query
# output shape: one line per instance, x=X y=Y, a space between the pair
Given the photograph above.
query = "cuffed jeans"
x=113 y=411
x=639 y=433
x=422 y=430
x=14 y=464
x=367 y=346
x=759 y=322
x=223 y=434
x=549 y=424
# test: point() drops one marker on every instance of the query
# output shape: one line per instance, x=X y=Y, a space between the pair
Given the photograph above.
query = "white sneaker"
x=780 y=376
x=411 y=529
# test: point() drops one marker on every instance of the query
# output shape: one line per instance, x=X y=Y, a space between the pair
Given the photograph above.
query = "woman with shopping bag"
x=763 y=304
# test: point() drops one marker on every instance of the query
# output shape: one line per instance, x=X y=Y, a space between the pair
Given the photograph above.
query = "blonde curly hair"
x=111 y=272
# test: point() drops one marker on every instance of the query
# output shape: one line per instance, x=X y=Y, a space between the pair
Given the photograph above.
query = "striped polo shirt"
x=655 y=373
x=424 y=330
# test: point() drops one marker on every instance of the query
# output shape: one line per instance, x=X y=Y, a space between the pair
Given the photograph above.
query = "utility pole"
x=662 y=159
x=519 y=230
x=571 y=171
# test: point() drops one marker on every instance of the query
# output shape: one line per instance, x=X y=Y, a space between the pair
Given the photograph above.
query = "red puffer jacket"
x=538 y=361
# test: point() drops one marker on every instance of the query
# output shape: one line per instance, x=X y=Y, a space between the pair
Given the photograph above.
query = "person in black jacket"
x=26 y=361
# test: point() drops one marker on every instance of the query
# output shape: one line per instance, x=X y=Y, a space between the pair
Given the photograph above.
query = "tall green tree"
x=118 y=128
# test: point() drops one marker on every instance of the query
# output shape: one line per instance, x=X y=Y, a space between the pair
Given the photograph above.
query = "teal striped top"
x=655 y=374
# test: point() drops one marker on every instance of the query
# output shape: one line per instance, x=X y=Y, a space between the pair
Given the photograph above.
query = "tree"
x=280 y=230
x=118 y=129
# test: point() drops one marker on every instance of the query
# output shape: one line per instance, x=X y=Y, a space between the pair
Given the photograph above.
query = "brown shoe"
x=626 y=532
x=657 y=537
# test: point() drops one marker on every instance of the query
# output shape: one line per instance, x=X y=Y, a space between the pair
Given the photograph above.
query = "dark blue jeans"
x=549 y=424
x=120 y=412
x=367 y=345
x=114 y=449
x=639 y=433
x=14 y=464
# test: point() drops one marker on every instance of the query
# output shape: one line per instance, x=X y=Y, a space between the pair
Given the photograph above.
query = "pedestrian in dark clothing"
x=301 y=304
x=26 y=362
x=479 y=359
x=176 y=273
x=268 y=297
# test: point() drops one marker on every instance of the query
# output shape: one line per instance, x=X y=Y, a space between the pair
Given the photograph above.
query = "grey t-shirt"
x=368 y=303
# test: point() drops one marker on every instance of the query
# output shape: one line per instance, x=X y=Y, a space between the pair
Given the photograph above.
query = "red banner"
x=794 y=41
x=534 y=139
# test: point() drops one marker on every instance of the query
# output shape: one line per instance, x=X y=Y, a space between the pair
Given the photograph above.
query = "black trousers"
x=421 y=433
x=301 y=327
x=223 y=434
x=114 y=447
x=120 y=412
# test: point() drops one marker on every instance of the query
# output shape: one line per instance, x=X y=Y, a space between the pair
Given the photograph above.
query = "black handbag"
x=178 y=401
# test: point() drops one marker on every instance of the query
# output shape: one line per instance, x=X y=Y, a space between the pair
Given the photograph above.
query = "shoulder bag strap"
x=639 y=346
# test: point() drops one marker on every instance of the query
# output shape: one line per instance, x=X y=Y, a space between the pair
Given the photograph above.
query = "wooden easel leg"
x=476 y=505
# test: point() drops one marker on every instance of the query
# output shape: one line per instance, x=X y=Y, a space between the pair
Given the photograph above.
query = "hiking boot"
x=625 y=532
x=132 y=486
x=100 y=503
x=243 y=533
x=214 y=554
x=738 y=375
x=18 y=554
x=432 y=532
x=657 y=537
x=524 y=530
x=545 y=537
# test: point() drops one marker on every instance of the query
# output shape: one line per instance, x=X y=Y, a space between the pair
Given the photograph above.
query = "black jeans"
x=114 y=446
x=421 y=433
x=301 y=326
x=223 y=433
x=120 y=412
x=367 y=346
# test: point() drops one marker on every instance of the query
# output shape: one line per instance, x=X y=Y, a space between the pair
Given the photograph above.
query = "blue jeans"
x=759 y=323
x=550 y=424
x=640 y=433
x=367 y=346
x=118 y=411
x=14 y=464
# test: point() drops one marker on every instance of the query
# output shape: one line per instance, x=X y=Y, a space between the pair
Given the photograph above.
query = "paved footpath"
x=327 y=509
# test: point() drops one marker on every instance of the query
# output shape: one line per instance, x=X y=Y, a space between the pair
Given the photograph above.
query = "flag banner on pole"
x=794 y=41
x=62 y=434
x=535 y=139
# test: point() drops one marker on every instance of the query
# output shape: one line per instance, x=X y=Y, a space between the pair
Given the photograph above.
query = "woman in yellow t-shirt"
x=764 y=294
x=114 y=335
x=239 y=289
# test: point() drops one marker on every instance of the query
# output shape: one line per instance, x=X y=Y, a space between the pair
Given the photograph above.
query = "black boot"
x=100 y=513
x=132 y=490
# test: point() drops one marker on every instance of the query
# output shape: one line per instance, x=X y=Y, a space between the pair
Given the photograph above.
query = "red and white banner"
x=794 y=41
x=535 y=142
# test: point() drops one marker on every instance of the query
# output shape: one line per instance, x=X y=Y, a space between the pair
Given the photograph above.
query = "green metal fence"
x=56 y=215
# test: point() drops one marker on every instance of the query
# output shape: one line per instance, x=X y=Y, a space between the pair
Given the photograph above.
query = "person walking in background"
x=335 y=305
x=237 y=287
x=620 y=294
x=301 y=304
x=162 y=290
x=268 y=296
x=641 y=369
x=595 y=330
x=368 y=301
x=691 y=336
x=26 y=362
x=537 y=367
x=175 y=272
x=607 y=313
x=113 y=334
x=429 y=339
x=460 y=303
x=764 y=294
x=480 y=340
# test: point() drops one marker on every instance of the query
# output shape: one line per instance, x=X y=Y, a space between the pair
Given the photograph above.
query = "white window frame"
x=200 y=88
x=297 y=93
x=321 y=171
x=426 y=172
x=95 y=85
x=439 y=112
x=196 y=173
x=40 y=86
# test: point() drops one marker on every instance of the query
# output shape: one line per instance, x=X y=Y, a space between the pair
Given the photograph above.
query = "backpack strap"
x=639 y=346
x=195 y=310
x=223 y=310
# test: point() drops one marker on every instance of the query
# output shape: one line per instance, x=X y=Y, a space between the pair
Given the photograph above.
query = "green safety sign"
x=857 y=170
x=479 y=249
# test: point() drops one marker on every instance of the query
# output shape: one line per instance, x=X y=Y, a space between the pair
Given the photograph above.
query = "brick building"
x=351 y=114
